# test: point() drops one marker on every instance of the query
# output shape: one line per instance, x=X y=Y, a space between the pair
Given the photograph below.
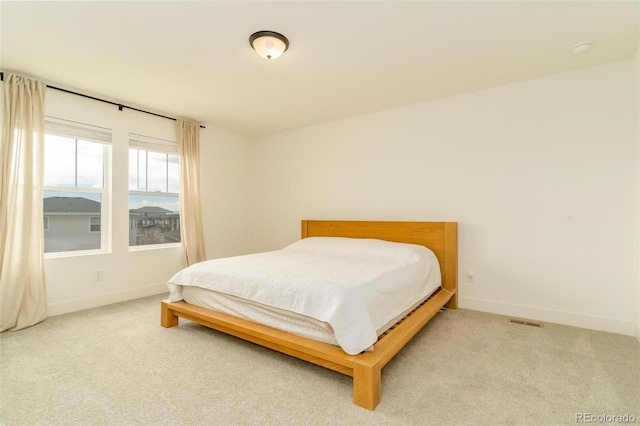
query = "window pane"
x=142 y=170
x=153 y=219
x=156 y=172
x=174 y=174
x=69 y=224
x=133 y=170
x=59 y=161
x=90 y=164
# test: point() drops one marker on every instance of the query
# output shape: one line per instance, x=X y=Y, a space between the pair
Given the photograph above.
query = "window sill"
x=155 y=247
x=76 y=253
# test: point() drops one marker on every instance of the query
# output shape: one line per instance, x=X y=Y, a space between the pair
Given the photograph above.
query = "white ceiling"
x=346 y=58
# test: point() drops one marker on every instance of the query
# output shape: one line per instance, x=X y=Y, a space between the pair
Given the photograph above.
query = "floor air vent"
x=525 y=322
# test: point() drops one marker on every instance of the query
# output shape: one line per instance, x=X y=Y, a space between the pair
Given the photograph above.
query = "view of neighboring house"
x=153 y=225
x=71 y=223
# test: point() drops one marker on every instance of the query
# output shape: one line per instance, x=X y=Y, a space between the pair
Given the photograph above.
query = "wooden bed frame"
x=366 y=367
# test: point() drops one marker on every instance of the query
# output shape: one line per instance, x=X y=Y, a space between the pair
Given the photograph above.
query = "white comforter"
x=355 y=285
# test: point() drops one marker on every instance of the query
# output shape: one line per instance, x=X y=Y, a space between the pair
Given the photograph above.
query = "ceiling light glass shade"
x=269 y=44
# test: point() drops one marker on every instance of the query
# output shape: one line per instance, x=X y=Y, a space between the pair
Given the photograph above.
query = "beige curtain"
x=190 y=211
x=23 y=300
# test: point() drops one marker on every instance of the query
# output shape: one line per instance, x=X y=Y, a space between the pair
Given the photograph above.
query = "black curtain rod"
x=120 y=106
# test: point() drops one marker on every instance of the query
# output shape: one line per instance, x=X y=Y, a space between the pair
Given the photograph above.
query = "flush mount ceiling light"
x=269 y=44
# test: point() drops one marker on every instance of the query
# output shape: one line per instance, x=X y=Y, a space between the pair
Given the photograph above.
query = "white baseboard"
x=611 y=325
x=105 y=299
x=638 y=332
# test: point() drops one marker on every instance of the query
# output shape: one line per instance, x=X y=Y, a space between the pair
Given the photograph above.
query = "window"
x=75 y=156
x=154 y=204
x=94 y=224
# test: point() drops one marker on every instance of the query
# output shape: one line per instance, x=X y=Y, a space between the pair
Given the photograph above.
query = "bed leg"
x=367 y=390
x=453 y=302
x=167 y=317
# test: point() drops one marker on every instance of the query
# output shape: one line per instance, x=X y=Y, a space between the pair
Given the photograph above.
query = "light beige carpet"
x=115 y=365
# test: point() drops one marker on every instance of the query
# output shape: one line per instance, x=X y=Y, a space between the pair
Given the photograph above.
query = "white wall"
x=130 y=274
x=225 y=192
x=542 y=177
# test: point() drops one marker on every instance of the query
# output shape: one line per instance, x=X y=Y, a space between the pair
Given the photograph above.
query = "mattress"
x=356 y=286
x=279 y=319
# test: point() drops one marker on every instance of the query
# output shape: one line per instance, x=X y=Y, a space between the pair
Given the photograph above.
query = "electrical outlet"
x=97 y=275
x=471 y=278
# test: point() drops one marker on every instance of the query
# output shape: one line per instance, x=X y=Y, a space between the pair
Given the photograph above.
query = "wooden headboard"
x=440 y=237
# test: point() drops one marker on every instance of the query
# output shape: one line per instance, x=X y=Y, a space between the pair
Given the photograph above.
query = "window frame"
x=167 y=148
x=104 y=191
